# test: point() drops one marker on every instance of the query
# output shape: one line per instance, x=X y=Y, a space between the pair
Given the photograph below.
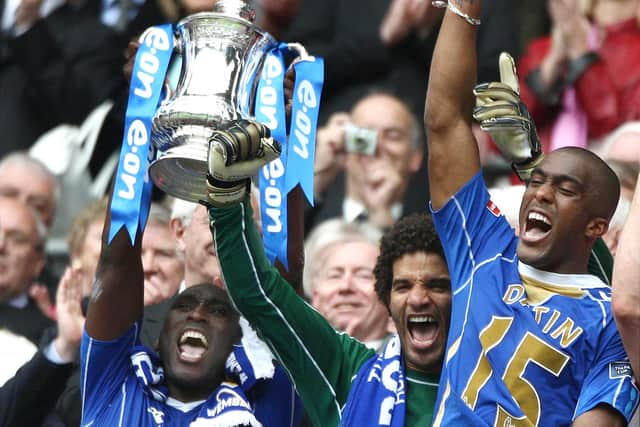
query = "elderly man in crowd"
x=190 y=226
x=339 y=281
x=28 y=180
x=163 y=265
x=379 y=147
x=22 y=235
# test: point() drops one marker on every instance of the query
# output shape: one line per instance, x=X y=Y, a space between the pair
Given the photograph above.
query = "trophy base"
x=181 y=172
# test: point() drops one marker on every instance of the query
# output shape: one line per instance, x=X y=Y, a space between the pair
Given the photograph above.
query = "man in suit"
x=339 y=281
x=365 y=161
x=27 y=398
x=21 y=261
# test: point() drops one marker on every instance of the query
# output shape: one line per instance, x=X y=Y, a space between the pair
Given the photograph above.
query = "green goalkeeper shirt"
x=321 y=361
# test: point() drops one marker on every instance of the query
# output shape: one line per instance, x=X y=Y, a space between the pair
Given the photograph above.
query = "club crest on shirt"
x=158 y=416
x=619 y=370
x=493 y=208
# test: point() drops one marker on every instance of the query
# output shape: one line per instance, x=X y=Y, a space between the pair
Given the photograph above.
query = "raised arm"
x=626 y=284
x=117 y=298
x=453 y=151
x=295 y=246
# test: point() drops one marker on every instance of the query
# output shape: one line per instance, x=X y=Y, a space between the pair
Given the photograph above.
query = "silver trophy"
x=222 y=54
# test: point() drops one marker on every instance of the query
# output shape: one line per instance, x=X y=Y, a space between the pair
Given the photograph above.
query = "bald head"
x=29 y=181
x=602 y=183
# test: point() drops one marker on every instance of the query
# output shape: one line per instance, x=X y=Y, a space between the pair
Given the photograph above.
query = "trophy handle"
x=302 y=51
x=177 y=50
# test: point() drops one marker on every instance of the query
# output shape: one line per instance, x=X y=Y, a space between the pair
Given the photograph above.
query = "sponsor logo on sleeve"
x=619 y=370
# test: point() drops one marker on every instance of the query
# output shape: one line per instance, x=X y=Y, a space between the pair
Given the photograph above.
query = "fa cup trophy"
x=222 y=53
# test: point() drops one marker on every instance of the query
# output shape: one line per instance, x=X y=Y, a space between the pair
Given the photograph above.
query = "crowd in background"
x=63 y=95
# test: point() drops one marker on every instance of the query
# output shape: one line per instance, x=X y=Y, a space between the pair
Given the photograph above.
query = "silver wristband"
x=453 y=8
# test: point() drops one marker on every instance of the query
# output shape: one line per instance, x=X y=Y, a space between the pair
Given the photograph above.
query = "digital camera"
x=360 y=140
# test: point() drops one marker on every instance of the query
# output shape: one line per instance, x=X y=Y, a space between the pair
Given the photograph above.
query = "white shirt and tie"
x=353 y=210
x=117 y=13
x=9 y=14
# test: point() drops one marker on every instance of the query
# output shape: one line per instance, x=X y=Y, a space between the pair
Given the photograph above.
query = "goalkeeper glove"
x=236 y=154
x=500 y=111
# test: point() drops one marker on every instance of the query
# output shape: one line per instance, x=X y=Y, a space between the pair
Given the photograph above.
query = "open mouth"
x=192 y=345
x=537 y=227
x=423 y=330
x=346 y=307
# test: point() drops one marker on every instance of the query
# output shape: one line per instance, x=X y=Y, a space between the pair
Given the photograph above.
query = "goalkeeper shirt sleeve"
x=320 y=361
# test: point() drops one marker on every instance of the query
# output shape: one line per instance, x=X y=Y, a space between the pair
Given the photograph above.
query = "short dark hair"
x=413 y=233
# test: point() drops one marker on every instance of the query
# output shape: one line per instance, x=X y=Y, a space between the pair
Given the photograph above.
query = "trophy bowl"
x=222 y=54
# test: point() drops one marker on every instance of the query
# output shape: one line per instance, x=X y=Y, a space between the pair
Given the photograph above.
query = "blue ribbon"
x=270 y=111
x=295 y=165
x=132 y=189
x=304 y=120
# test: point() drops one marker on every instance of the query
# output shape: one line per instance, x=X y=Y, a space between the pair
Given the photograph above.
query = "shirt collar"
x=21 y=301
x=352 y=209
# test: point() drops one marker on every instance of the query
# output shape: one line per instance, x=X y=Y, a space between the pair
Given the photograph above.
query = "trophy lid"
x=235 y=7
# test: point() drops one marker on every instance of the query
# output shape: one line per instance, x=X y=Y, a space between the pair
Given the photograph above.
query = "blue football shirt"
x=113 y=395
x=525 y=347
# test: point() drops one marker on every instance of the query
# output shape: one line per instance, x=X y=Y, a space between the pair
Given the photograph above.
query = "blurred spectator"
x=376 y=185
x=508 y=199
x=621 y=150
x=274 y=16
x=626 y=292
x=84 y=242
x=190 y=225
x=339 y=280
x=406 y=16
x=28 y=397
x=28 y=180
x=21 y=261
x=533 y=20
x=622 y=144
x=15 y=350
x=571 y=80
x=55 y=68
x=17 y=15
x=616 y=225
x=346 y=33
x=627 y=172
x=117 y=14
x=163 y=266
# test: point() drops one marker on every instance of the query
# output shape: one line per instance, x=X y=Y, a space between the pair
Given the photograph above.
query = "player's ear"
x=597 y=227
